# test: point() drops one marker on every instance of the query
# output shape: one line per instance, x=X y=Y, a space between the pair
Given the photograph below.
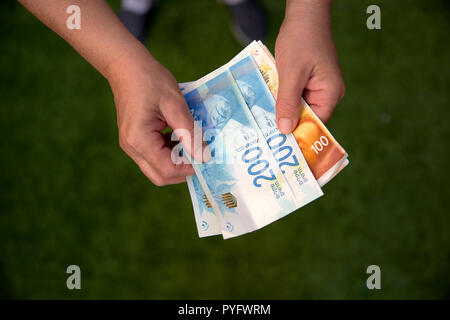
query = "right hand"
x=148 y=99
x=307 y=63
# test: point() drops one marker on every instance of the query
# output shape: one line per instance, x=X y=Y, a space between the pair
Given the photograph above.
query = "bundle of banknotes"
x=255 y=175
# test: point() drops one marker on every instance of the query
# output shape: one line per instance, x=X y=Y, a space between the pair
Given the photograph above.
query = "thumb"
x=290 y=89
x=177 y=115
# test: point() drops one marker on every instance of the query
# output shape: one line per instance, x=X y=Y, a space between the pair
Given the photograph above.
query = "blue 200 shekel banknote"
x=208 y=223
x=285 y=149
x=243 y=183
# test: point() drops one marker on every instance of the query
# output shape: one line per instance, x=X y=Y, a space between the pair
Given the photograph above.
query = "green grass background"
x=69 y=195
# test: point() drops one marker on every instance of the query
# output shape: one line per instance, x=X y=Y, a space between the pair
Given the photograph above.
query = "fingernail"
x=285 y=125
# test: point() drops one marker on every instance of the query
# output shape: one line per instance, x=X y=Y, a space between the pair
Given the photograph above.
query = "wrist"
x=293 y=3
x=296 y=8
x=128 y=63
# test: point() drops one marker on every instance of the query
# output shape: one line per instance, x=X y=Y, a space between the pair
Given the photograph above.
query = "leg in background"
x=249 y=20
x=134 y=15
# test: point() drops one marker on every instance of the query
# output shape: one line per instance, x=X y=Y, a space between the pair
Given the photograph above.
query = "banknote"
x=287 y=153
x=284 y=147
x=242 y=181
x=208 y=223
x=328 y=159
x=325 y=156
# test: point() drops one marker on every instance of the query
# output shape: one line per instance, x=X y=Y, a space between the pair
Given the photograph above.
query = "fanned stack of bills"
x=256 y=175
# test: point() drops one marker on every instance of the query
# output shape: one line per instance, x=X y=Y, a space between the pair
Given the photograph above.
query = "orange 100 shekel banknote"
x=324 y=154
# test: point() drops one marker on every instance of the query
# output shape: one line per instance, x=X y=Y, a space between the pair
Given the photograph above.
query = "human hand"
x=307 y=63
x=148 y=99
x=146 y=94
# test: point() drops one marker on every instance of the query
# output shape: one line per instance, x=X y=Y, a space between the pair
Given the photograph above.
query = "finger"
x=323 y=101
x=154 y=177
x=176 y=113
x=291 y=85
x=149 y=147
x=159 y=157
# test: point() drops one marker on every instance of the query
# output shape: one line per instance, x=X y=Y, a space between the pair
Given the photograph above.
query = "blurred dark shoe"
x=135 y=22
x=249 y=21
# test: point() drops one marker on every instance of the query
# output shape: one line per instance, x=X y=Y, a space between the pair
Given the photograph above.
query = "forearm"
x=309 y=20
x=296 y=7
x=307 y=62
x=309 y=13
x=102 y=40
